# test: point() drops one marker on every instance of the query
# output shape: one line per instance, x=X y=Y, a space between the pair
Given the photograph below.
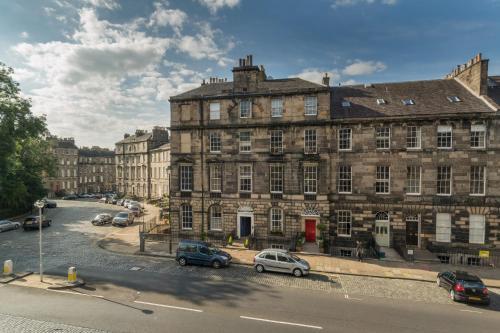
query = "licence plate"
x=472 y=298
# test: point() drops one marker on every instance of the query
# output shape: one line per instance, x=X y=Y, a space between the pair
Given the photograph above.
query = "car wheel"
x=182 y=261
x=216 y=264
x=17 y=227
x=297 y=272
x=452 y=295
x=438 y=282
x=259 y=268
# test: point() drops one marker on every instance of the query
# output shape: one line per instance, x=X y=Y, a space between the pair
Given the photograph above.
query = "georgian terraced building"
x=406 y=165
x=96 y=170
x=65 y=153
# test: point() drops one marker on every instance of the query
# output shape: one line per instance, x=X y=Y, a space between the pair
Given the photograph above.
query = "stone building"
x=66 y=154
x=251 y=158
x=133 y=163
x=96 y=172
x=409 y=165
x=160 y=171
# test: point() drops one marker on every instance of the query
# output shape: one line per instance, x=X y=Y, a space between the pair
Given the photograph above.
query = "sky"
x=101 y=68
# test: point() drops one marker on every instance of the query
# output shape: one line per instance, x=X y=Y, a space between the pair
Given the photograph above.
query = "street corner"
x=8 y=278
x=50 y=282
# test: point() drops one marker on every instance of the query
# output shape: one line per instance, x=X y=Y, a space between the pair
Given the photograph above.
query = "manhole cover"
x=136 y=268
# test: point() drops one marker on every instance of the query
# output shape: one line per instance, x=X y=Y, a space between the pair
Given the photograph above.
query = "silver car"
x=123 y=219
x=6 y=225
x=277 y=260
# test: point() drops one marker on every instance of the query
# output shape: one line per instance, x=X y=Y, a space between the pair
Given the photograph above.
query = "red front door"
x=310 y=230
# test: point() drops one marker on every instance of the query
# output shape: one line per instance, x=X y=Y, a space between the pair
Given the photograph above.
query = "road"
x=142 y=294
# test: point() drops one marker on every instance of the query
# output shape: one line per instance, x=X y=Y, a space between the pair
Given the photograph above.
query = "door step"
x=390 y=254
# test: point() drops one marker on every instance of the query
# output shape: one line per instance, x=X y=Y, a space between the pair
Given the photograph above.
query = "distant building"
x=133 y=161
x=96 y=170
x=160 y=171
x=66 y=179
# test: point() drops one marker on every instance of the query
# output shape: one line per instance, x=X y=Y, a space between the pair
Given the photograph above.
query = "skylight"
x=454 y=99
x=346 y=104
x=408 y=101
x=381 y=101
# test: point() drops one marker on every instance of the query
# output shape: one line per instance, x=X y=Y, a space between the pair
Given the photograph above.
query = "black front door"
x=412 y=233
x=245 y=226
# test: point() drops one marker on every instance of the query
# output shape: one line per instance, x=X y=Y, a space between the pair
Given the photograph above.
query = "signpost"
x=40 y=204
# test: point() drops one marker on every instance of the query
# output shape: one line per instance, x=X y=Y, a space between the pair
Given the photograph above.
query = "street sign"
x=410 y=252
x=484 y=254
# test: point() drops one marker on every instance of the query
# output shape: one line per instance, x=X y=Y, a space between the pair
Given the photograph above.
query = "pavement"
x=127 y=242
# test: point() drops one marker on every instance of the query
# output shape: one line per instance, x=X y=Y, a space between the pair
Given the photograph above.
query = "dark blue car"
x=201 y=253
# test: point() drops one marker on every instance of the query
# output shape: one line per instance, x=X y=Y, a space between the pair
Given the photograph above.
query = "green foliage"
x=24 y=153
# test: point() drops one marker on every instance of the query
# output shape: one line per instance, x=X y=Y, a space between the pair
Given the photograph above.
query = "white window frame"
x=344 y=182
x=414 y=135
x=344 y=217
x=308 y=143
x=477 y=229
x=409 y=184
x=216 y=221
x=245 y=175
x=186 y=170
x=276 y=215
x=186 y=217
x=473 y=181
x=386 y=182
x=438 y=180
x=216 y=178
x=214 y=111
x=277 y=107
x=342 y=138
x=443 y=130
x=215 y=141
x=480 y=131
x=383 y=138
x=276 y=146
x=311 y=105
x=245 y=146
x=276 y=184
x=310 y=184
x=244 y=102
x=443 y=227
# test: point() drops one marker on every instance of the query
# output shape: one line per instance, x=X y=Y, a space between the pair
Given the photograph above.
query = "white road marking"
x=282 y=322
x=473 y=311
x=75 y=293
x=355 y=299
x=169 y=306
x=343 y=288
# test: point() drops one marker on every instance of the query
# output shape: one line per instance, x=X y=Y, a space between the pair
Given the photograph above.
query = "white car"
x=6 y=225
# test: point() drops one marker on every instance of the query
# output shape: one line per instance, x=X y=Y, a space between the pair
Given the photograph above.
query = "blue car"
x=201 y=253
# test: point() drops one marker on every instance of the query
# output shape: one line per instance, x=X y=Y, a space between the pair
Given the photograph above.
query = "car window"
x=282 y=258
x=204 y=250
x=3 y=222
x=262 y=255
x=452 y=277
x=473 y=284
x=270 y=256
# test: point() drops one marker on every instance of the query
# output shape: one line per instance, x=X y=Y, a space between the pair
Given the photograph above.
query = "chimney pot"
x=326 y=80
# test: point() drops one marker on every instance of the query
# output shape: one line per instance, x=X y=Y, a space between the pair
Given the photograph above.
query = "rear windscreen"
x=473 y=284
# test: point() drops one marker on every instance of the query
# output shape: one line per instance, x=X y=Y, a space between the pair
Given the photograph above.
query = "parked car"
x=32 y=222
x=200 y=253
x=136 y=210
x=277 y=260
x=49 y=203
x=464 y=287
x=120 y=202
x=123 y=219
x=125 y=203
x=70 y=197
x=133 y=203
x=6 y=225
x=103 y=200
x=102 y=219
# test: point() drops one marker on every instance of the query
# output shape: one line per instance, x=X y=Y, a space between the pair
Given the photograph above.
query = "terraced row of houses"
x=408 y=165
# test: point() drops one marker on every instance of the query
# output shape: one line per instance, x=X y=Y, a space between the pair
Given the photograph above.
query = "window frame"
x=272 y=227
x=342 y=139
x=279 y=108
x=243 y=102
x=245 y=143
x=438 y=180
x=184 y=216
x=383 y=137
x=341 y=224
x=382 y=181
x=408 y=180
x=215 y=170
x=279 y=148
x=314 y=182
x=246 y=177
x=482 y=229
x=418 y=137
x=212 y=143
x=273 y=181
x=190 y=176
x=341 y=180
x=212 y=112
x=309 y=108
x=478 y=181
x=443 y=130
x=479 y=138
x=219 y=219
x=307 y=147
x=447 y=227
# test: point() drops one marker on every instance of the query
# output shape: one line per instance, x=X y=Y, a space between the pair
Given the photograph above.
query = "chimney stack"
x=473 y=74
x=326 y=80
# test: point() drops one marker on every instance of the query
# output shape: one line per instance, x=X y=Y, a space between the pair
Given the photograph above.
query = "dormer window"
x=381 y=101
x=408 y=101
x=454 y=99
x=346 y=104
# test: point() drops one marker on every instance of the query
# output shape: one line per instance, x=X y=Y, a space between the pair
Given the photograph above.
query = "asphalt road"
x=142 y=294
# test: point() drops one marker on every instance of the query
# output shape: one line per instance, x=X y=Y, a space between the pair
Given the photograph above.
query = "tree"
x=24 y=153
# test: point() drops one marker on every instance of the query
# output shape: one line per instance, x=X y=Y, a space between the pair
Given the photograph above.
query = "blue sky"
x=100 y=68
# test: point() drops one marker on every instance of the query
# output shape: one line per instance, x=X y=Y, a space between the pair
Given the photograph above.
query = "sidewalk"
x=127 y=242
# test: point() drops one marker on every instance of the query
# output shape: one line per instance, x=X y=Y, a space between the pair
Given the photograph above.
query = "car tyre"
x=182 y=261
x=452 y=295
x=259 y=269
x=297 y=272
x=216 y=264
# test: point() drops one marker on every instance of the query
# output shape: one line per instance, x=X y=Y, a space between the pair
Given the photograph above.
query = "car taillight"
x=459 y=287
x=485 y=291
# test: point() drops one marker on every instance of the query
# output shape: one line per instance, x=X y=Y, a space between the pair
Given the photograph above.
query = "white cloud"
x=24 y=34
x=348 y=3
x=163 y=17
x=359 y=67
x=315 y=75
x=215 y=5
x=108 y=4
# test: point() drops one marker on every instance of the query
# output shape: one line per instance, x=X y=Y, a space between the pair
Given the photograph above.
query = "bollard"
x=8 y=267
x=72 y=274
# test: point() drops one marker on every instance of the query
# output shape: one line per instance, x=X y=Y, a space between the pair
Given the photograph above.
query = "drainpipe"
x=202 y=156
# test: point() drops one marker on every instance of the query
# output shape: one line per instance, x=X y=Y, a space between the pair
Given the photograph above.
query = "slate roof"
x=165 y=146
x=430 y=98
x=64 y=144
x=134 y=138
x=288 y=85
x=92 y=152
x=494 y=91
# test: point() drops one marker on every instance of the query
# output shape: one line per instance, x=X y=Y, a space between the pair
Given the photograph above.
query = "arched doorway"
x=382 y=229
x=245 y=221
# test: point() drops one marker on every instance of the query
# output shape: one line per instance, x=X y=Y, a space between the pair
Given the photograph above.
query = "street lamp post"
x=40 y=204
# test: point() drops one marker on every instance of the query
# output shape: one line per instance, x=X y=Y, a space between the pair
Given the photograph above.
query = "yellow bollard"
x=8 y=267
x=72 y=274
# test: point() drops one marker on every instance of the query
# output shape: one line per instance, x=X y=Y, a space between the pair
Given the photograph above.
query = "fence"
x=468 y=257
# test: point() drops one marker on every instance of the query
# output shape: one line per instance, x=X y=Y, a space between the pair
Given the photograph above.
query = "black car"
x=464 y=287
x=102 y=219
x=49 y=203
x=70 y=197
x=32 y=222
